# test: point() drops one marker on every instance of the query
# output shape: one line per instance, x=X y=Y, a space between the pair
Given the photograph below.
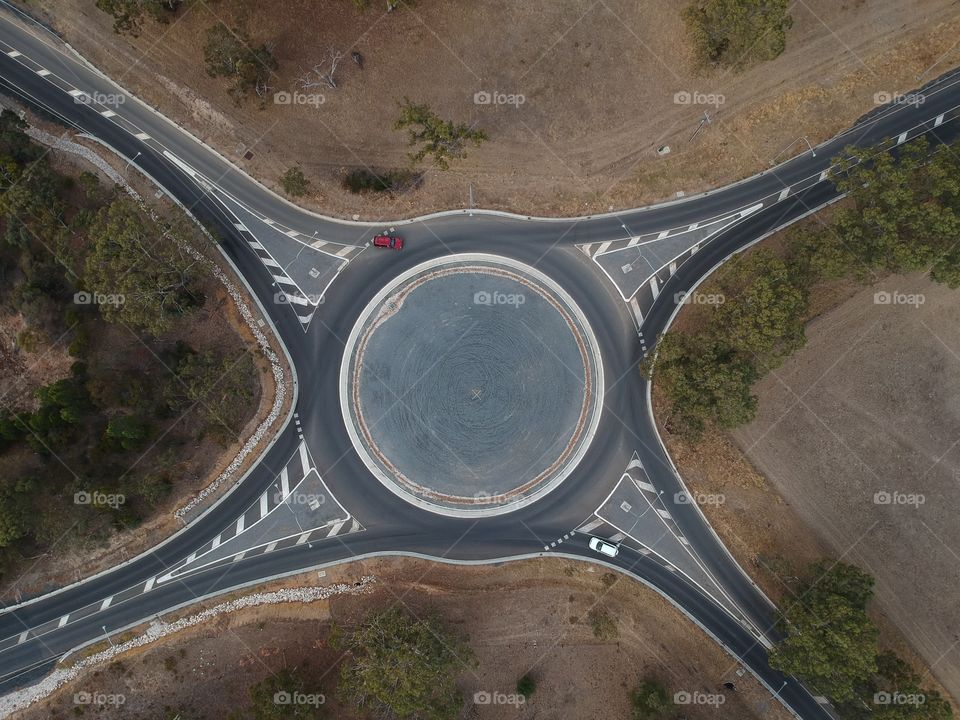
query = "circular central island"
x=471 y=385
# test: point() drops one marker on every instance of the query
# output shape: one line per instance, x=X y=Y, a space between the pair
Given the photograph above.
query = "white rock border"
x=21 y=699
x=277 y=368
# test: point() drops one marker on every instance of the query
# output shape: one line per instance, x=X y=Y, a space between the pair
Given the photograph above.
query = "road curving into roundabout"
x=473 y=398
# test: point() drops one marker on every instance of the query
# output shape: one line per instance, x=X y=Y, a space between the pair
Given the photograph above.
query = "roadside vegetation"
x=128 y=14
x=435 y=138
x=114 y=375
x=901 y=215
x=737 y=33
x=831 y=643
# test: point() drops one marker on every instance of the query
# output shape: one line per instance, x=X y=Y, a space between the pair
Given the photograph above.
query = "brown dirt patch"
x=519 y=618
x=599 y=81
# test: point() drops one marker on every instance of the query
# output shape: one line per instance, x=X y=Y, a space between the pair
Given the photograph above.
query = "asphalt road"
x=35 y=635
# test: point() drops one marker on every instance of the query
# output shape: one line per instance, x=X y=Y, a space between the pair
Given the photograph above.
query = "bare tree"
x=322 y=73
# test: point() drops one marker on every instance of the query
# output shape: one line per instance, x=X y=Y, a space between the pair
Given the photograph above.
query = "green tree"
x=441 y=140
x=764 y=310
x=737 y=33
x=232 y=54
x=404 y=667
x=267 y=698
x=128 y=431
x=142 y=274
x=295 y=182
x=829 y=640
x=650 y=701
x=218 y=388
x=526 y=686
x=706 y=381
x=127 y=14
x=905 y=212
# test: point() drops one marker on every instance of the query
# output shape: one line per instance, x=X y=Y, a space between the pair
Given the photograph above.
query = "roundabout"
x=471 y=385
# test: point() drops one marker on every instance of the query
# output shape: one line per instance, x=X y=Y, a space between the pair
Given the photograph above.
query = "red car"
x=386 y=241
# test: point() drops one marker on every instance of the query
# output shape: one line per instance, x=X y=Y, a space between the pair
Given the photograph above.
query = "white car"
x=604 y=548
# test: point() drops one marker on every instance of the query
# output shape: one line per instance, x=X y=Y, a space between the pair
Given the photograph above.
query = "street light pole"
x=107 y=635
x=130 y=161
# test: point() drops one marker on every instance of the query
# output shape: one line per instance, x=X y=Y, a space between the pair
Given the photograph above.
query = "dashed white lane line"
x=345 y=250
x=271 y=547
x=824 y=175
x=108 y=113
x=270 y=262
x=663 y=234
x=43 y=72
x=63 y=621
x=304 y=458
x=617 y=537
x=106 y=603
x=644 y=486
x=635 y=309
x=939 y=121
x=23 y=637
x=336 y=528
x=149 y=586
x=284 y=482
x=603 y=247
x=693 y=227
x=14 y=53
x=263 y=505
x=593 y=524
x=783 y=194
x=76 y=93
x=355 y=526
x=634 y=463
x=142 y=136
x=654 y=287
x=216 y=542
x=303 y=538
x=901 y=138
x=240 y=524
x=190 y=558
x=239 y=556
x=664 y=514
